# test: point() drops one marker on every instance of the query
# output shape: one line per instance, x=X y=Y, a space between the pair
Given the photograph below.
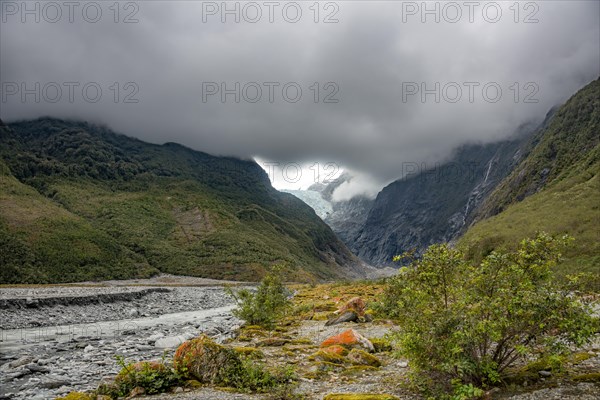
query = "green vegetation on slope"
x=101 y=205
x=42 y=242
x=554 y=152
x=568 y=201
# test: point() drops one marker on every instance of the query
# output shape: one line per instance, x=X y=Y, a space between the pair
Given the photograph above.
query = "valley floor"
x=47 y=351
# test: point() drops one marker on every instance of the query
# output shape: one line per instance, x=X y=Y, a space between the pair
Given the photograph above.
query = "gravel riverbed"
x=46 y=351
x=108 y=306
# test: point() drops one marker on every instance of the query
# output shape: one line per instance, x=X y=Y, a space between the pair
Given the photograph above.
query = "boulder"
x=37 y=368
x=349 y=339
x=207 y=361
x=169 y=342
x=336 y=349
x=361 y=357
x=355 y=304
x=154 y=337
x=20 y=362
x=348 y=316
x=16 y=374
x=324 y=356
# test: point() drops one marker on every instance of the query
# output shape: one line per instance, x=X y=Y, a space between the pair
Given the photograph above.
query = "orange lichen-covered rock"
x=349 y=339
x=336 y=349
x=207 y=361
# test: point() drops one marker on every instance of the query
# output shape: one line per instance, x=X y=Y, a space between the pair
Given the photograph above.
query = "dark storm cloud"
x=364 y=61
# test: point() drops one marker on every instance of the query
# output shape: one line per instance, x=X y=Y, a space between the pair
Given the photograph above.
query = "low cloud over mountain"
x=380 y=88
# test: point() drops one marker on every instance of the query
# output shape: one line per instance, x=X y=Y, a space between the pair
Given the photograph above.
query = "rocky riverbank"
x=43 y=299
x=78 y=305
x=59 y=339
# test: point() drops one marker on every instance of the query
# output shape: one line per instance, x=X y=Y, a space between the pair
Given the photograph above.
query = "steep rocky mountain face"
x=348 y=218
x=545 y=178
x=436 y=204
x=555 y=163
x=80 y=202
x=426 y=207
x=554 y=150
x=555 y=189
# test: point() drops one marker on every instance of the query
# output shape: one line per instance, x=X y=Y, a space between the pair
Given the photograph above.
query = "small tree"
x=468 y=323
x=265 y=306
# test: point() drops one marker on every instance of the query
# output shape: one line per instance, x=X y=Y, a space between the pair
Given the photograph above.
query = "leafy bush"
x=265 y=306
x=154 y=377
x=466 y=324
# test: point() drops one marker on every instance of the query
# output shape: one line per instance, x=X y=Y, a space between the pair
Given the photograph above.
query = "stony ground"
x=50 y=351
x=43 y=363
x=176 y=299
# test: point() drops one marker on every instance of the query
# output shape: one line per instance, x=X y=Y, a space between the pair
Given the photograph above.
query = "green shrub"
x=154 y=377
x=265 y=306
x=466 y=392
x=466 y=324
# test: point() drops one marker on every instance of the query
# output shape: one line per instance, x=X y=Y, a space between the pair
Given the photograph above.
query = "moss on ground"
x=75 y=396
x=360 y=396
x=593 y=377
x=249 y=352
x=329 y=357
x=361 y=357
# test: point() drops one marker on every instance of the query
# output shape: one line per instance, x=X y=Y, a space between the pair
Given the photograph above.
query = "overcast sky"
x=361 y=67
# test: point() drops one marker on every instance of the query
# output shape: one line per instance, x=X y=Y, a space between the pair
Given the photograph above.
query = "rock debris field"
x=54 y=340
